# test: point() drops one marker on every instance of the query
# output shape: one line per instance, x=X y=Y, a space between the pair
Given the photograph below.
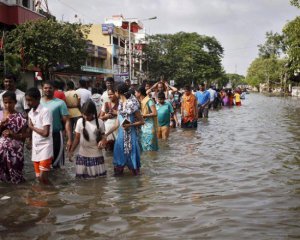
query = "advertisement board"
x=107 y=28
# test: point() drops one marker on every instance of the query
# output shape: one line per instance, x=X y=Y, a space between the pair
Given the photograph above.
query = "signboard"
x=107 y=28
x=121 y=77
x=95 y=70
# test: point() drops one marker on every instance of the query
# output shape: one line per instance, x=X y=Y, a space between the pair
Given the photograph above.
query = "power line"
x=76 y=11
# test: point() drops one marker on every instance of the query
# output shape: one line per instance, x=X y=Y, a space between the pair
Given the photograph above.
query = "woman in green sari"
x=148 y=136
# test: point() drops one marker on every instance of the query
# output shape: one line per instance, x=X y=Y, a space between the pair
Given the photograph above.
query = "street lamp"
x=130 y=21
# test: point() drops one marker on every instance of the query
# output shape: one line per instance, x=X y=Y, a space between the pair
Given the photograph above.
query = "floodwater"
x=237 y=177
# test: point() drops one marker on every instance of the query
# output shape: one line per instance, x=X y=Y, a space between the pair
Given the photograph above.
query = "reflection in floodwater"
x=236 y=177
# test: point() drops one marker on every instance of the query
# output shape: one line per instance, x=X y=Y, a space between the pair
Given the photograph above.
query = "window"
x=26 y=3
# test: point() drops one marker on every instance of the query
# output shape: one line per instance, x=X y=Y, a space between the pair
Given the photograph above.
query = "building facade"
x=13 y=13
x=16 y=12
x=123 y=48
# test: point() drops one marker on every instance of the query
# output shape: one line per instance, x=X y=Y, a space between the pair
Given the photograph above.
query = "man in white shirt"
x=213 y=95
x=40 y=124
x=109 y=82
x=10 y=85
x=82 y=92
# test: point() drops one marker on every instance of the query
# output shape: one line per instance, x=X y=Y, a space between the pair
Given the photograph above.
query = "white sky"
x=239 y=25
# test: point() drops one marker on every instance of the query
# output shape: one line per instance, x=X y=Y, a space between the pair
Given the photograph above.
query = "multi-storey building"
x=12 y=13
x=115 y=37
x=15 y=12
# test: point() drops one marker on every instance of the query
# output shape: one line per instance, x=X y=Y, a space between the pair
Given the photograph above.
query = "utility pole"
x=130 y=21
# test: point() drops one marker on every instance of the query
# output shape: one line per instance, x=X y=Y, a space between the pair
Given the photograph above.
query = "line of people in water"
x=123 y=119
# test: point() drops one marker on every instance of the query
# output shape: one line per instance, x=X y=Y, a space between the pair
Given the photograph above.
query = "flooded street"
x=237 y=177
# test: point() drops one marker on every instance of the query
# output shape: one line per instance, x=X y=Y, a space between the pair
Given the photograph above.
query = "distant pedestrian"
x=189 y=113
x=213 y=96
x=109 y=83
x=230 y=98
x=203 y=100
x=96 y=98
x=161 y=86
x=237 y=98
x=58 y=90
x=148 y=134
x=109 y=113
x=83 y=93
x=73 y=104
x=10 y=84
x=164 y=111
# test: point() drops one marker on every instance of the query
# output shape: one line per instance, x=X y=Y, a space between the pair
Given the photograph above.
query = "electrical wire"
x=76 y=11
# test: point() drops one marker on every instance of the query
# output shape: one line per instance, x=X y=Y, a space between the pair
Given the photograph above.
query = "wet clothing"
x=127 y=148
x=164 y=112
x=42 y=147
x=90 y=161
x=189 y=103
x=59 y=109
x=148 y=134
x=110 y=123
x=237 y=97
x=202 y=97
x=12 y=151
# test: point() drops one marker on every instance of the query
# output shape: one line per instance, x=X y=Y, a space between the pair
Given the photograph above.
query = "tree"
x=184 y=57
x=47 y=44
x=295 y=3
x=292 y=40
x=266 y=70
x=273 y=46
x=235 y=79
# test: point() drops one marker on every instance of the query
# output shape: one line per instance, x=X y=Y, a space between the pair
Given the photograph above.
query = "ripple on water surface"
x=236 y=177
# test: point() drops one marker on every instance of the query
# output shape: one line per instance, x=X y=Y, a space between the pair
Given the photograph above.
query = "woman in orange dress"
x=189 y=114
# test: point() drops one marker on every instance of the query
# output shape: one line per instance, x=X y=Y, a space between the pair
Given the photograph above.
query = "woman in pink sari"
x=13 y=133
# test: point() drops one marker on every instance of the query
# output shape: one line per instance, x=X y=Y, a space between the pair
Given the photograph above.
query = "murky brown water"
x=236 y=178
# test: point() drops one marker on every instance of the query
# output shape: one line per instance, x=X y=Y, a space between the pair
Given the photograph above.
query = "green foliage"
x=13 y=63
x=265 y=70
x=292 y=39
x=235 y=79
x=273 y=46
x=295 y=3
x=184 y=57
x=48 y=43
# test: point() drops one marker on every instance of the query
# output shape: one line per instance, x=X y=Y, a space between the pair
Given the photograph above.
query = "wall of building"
x=101 y=40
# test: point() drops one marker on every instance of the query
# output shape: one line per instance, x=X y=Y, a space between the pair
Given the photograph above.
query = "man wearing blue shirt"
x=203 y=99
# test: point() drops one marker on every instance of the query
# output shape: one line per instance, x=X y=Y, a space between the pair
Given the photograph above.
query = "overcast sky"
x=239 y=25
